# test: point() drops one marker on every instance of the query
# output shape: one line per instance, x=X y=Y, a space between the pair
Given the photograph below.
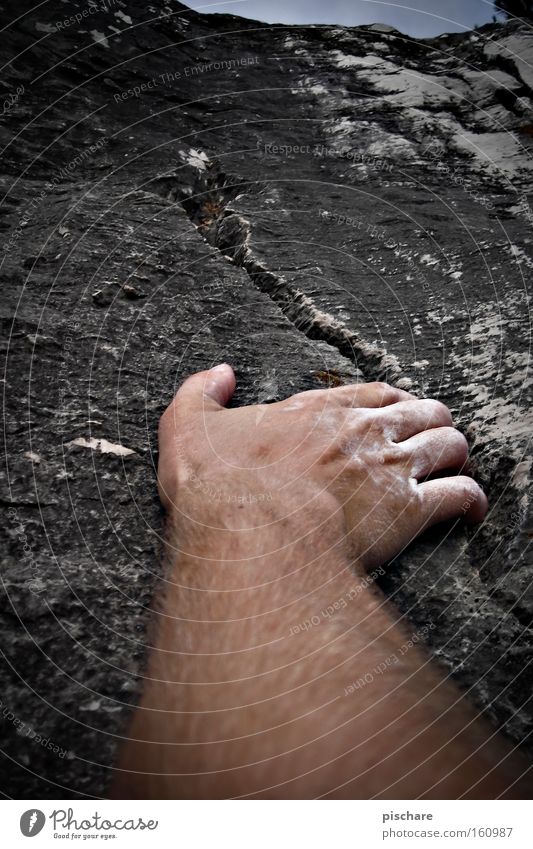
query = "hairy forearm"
x=279 y=670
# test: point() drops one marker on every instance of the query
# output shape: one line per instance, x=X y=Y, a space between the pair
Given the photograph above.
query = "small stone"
x=102 y=298
x=131 y=292
x=31 y=455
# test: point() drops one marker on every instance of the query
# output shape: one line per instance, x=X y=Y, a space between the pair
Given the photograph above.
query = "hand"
x=357 y=455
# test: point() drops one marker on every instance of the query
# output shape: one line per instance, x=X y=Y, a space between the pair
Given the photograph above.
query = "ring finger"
x=435 y=450
x=407 y=418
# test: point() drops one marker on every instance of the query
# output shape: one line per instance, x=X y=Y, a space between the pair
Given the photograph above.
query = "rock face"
x=313 y=205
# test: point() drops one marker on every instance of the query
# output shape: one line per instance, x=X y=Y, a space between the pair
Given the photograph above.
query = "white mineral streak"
x=102 y=445
x=195 y=158
x=123 y=17
x=99 y=38
x=502 y=424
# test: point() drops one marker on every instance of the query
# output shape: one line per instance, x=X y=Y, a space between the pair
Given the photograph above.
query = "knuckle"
x=310 y=397
x=360 y=420
x=385 y=389
x=390 y=395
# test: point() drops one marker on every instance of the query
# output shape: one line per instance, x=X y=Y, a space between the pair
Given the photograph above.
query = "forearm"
x=279 y=670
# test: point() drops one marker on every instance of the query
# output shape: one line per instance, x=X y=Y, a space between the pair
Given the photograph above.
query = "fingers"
x=407 y=418
x=204 y=391
x=207 y=390
x=434 y=450
x=451 y=498
x=358 y=395
x=370 y=395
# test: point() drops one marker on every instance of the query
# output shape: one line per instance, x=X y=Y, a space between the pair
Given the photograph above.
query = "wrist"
x=260 y=558
x=243 y=521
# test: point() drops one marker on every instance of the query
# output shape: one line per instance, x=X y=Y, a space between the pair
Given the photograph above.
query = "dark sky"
x=415 y=17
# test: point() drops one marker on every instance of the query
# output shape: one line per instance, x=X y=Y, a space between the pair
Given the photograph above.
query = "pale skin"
x=276 y=515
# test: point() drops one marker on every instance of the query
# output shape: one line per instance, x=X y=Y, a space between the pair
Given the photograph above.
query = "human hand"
x=357 y=456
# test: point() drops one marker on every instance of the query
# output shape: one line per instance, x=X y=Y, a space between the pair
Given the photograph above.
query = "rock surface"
x=312 y=204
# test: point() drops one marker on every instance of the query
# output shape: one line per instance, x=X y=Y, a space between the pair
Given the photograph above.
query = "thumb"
x=211 y=389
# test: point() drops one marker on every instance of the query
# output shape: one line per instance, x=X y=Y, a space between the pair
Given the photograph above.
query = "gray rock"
x=312 y=204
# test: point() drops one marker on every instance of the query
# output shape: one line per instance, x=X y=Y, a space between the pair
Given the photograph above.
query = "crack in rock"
x=230 y=233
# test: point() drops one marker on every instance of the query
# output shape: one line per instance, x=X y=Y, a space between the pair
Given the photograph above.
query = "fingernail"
x=221 y=367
